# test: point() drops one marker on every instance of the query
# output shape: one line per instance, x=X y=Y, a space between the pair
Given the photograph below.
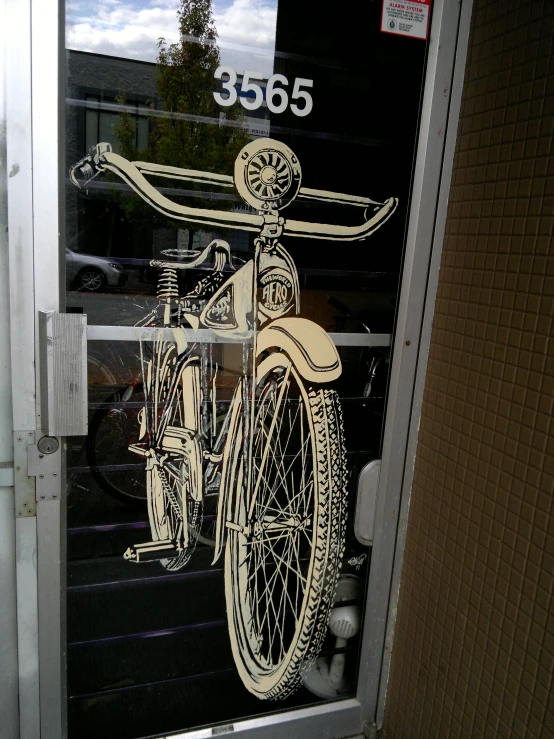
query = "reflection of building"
x=97 y=224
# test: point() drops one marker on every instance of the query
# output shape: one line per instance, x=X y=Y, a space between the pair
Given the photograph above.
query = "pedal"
x=151 y=551
x=141 y=449
x=214 y=458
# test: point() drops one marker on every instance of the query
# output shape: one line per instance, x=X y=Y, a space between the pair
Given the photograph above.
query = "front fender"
x=308 y=345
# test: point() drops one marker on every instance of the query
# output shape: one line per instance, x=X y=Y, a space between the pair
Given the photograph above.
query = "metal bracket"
x=24 y=484
x=6 y=474
x=364 y=520
x=46 y=469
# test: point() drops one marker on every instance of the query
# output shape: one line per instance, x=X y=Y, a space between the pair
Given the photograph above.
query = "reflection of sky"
x=131 y=28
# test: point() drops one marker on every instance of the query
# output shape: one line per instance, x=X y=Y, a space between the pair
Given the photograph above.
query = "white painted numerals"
x=273 y=94
x=228 y=85
x=248 y=86
x=298 y=94
x=276 y=95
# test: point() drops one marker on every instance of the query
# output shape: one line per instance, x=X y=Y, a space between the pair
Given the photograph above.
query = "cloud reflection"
x=131 y=29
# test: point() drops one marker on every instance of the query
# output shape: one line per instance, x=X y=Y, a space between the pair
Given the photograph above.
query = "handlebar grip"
x=340 y=198
x=89 y=166
x=342 y=233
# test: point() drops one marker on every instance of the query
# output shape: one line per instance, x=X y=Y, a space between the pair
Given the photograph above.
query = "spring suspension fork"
x=168 y=290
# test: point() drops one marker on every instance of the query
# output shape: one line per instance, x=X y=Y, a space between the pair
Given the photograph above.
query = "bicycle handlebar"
x=224 y=180
x=102 y=159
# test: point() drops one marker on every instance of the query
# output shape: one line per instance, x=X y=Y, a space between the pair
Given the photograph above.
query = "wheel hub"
x=268 y=175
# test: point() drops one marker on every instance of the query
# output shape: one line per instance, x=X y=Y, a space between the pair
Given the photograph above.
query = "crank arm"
x=140 y=449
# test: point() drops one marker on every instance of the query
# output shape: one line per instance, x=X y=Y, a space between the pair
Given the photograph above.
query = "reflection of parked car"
x=85 y=272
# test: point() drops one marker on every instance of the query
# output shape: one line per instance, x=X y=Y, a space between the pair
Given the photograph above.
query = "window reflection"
x=149 y=651
x=102 y=124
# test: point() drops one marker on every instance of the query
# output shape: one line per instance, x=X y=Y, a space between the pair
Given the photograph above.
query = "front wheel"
x=286 y=537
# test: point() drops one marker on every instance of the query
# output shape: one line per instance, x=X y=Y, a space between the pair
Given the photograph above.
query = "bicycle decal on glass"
x=263 y=477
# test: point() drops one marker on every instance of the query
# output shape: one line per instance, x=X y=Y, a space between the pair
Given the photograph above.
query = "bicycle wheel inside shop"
x=240 y=188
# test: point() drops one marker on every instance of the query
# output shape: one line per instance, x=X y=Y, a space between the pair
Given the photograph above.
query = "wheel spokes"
x=278 y=538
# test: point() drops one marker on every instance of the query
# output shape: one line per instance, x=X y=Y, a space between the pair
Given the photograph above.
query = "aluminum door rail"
x=205 y=336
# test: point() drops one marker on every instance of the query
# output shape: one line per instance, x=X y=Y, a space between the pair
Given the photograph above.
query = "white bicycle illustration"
x=273 y=465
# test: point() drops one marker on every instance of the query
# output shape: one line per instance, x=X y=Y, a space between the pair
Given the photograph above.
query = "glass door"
x=239 y=186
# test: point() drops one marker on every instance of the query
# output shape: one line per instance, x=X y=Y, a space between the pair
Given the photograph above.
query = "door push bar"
x=63 y=373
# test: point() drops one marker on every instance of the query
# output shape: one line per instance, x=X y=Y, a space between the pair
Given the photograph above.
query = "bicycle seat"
x=218 y=247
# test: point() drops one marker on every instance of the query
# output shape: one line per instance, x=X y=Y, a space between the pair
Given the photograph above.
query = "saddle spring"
x=168 y=289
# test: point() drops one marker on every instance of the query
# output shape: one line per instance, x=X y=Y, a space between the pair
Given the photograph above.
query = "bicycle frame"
x=275 y=512
x=271 y=281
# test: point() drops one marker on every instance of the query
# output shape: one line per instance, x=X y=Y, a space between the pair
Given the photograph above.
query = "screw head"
x=41 y=477
x=42 y=497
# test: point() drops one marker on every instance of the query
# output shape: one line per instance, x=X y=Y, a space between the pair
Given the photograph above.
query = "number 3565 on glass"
x=276 y=92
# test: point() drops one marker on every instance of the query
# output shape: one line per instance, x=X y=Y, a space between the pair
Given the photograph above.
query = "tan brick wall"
x=474 y=649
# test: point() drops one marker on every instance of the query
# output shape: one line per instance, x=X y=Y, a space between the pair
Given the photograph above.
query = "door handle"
x=364 y=520
x=63 y=373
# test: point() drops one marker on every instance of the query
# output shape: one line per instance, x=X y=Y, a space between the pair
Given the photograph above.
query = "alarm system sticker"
x=406 y=18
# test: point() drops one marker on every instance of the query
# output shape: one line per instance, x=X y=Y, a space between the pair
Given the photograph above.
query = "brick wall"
x=474 y=648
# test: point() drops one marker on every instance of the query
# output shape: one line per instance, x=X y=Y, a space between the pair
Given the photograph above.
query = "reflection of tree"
x=185 y=85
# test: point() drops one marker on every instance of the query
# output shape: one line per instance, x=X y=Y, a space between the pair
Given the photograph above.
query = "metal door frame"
x=34 y=85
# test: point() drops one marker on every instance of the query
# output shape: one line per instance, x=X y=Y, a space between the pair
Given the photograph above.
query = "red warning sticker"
x=406 y=18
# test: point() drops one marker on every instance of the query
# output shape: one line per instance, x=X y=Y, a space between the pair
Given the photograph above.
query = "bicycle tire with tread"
x=328 y=549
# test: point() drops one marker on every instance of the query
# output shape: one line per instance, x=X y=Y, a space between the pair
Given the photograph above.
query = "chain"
x=170 y=494
x=173 y=500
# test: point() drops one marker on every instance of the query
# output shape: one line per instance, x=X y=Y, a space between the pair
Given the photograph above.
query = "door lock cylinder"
x=48 y=445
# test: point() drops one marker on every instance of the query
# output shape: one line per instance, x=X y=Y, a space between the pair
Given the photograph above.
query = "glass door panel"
x=235 y=220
